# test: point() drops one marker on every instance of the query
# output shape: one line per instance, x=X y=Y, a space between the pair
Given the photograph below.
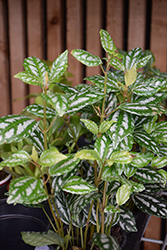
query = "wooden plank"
x=4 y=72
x=54 y=29
x=93 y=26
x=17 y=52
x=74 y=37
x=114 y=21
x=136 y=24
x=35 y=46
x=159 y=33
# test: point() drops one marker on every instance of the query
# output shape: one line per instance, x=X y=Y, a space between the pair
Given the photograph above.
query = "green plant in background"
x=91 y=188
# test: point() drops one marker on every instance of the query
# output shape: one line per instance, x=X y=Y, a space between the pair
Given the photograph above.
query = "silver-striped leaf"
x=105 y=125
x=18 y=158
x=86 y=58
x=159 y=162
x=141 y=159
x=127 y=220
x=77 y=185
x=67 y=89
x=103 y=146
x=96 y=79
x=151 y=204
x=123 y=194
x=37 y=139
x=143 y=61
x=59 y=66
x=148 y=175
x=137 y=109
x=29 y=79
x=126 y=143
x=51 y=156
x=26 y=190
x=38 y=110
x=14 y=128
x=40 y=239
x=146 y=140
x=64 y=166
x=90 y=125
x=87 y=154
x=121 y=157
x=58 y=101
x=105 y=242
x=107 y=42
x=117 y=64
x=131 y=58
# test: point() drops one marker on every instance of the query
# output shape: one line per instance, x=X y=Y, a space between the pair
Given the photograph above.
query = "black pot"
x=4 y=186
x=18 y=218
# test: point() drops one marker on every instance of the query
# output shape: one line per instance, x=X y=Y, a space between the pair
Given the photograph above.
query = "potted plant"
x=90 y=189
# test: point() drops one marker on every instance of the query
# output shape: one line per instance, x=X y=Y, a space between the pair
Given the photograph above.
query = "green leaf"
x=42 y=239
x=77 y=185
x=141 y=159
x=105 y=242
x=122 y=157
x=90 y=125
x=87 y=154
x=103 y=146
x=105 y=125
x=26 y=190
x=112 y=84
x=59 y=66
x=126 y=144
x=137 y=109
x=148 y=175
x=146 y=140
x=64 y=166
x=164 y=175
x=123 y=194
x=37 y=139
x=38 y=110
x=97 y=79
x=78 y=204
x=107 y=42
x=160 y=131
x=129 y=170
x=86 y=58
x=14 y=128
x=130 y=76
x=150 y=125
x=58 y=101
x=151 y=204
x=127 y=220
x=123 y=126
x=19 y=158
x=29 y=79
x=159 y=162
x=67 y=89
x=51 y=156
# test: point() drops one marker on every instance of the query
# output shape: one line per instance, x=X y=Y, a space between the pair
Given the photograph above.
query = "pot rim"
x=5 y=180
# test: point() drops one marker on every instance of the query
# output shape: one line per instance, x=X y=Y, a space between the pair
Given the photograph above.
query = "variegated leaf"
x=77 y=185
x=78 y=204
x=112 y=84
x=107 y=42
x=58 y=101
x=59 y=66
x=42 y=239
x=105 y=242
x=29 y=79
x=143 y=61
x=87 y=154
x=97 y=79
x=67 y=89
x=137 y=109
x=160 y=131
x=14 y=128
x=51 y=156
x=150 y=125
x=37 y=139
x=151 y=204
x=141 y=159
x=117 y=64
x=146 y=140
x=26 y=190
x=105 y=125
x=112 y=173
x=129 y=170
x=86 y=58
x=103 y=146
x=124 y=126
x=159 y=162
x=127 y=143
x=83 y=99
x=148 y=175
x=123 y=194
x=64 y=166
x=110 y=103
x=62 y=207
x=19 y=158
x=38 y=110
x=113 y=187
x=90 y=125
x=131 y=58
x=122 y=157
x=127 y=220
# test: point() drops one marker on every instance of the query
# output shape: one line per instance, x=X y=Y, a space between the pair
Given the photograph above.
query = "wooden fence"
x=45 y=28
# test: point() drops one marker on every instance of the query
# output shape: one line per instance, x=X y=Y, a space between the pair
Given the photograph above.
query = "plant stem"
x=45 y=130
x=49 y=219
x=87 y=224
x=81 y=233
x=103 y=207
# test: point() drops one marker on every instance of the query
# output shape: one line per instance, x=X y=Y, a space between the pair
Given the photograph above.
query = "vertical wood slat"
x=137 y=24
x=74 y=37
x=4 y=71
x=34 y=36
x=114 y=22
x=54 y=29
x=93 y=26
x=159 y=33
x=17 y=52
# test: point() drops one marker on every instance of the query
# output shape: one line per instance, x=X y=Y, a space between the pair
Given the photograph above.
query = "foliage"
x=91 y=188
